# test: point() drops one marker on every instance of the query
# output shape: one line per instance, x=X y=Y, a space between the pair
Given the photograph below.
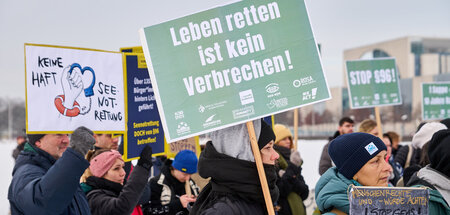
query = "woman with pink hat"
x=108 y=195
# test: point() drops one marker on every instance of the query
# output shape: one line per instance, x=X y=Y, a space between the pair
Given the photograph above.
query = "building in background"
x=419 y=60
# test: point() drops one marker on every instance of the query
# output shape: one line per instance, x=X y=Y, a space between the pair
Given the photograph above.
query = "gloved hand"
x=82 y=140
x=296 y=159
x=145 y=160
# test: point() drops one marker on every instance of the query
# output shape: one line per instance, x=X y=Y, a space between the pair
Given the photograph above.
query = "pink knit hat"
x=101 y=163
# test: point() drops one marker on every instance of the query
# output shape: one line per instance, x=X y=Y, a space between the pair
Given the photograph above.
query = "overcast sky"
x=111 y=24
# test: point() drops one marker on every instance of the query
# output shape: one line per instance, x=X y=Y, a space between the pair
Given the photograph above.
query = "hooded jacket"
x=43 y=185
x=234 y=187
x=331 y=191
x=439 y=189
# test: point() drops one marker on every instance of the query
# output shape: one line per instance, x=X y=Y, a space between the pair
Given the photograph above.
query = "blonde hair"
x=367 y=125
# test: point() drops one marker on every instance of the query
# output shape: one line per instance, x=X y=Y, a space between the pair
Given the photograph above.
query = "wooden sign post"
x=260 y=168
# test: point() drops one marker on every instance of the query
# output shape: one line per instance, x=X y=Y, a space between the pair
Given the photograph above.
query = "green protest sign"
x=373 y=83
x=388 y=200
x=435 y=100
x=233 y=64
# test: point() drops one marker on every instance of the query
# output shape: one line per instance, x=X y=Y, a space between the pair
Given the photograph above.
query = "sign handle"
x=260 y=168
x=187 y=187
x=378 y=118
x=295 y=128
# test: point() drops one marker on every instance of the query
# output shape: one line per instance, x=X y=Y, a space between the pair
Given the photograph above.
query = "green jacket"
x=331 y=191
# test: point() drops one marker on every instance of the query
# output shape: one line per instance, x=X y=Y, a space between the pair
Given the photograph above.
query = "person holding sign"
x=47 y=173
x=360 y=160
x=108 y=194
x=234 y=187
x=290 y=182
x=168 y=191
x=436 y=175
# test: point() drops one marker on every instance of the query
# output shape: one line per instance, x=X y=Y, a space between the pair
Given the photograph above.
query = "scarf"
x=104 y=184
x=233 y=178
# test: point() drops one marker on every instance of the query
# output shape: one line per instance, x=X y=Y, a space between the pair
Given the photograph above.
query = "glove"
x=296 y=159
x=145 y=160
x=82 y=140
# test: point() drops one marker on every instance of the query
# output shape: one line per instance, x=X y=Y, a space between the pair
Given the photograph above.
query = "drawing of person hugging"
x=74 y=80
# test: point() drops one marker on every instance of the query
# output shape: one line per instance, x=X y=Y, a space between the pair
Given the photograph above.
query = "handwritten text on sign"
x=386 y=200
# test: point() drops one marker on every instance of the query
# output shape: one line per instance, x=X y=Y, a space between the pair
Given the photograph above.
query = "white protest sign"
x=71 y=87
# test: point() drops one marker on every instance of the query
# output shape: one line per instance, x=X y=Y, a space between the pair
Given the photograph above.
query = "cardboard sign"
x=143 y=123
x=388 y=200
x=373 y=83
x=232 y=64
x=71 y=87
x=435 y=100
x=192 y=144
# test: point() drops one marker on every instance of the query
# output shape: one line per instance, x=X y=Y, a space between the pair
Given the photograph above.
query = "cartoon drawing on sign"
x=75 y=79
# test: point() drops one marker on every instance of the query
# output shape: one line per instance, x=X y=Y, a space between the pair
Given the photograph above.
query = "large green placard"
x=373 y=83
x=233 y=64
x=435 y=100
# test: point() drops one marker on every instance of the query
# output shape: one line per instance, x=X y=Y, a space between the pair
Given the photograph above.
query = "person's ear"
x=38 y=143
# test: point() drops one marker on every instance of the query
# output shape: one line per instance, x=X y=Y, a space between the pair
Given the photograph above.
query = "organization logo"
x=183 y=128
x=201 y=109
x=278 y=103
x=246 y=97
x=243 y=112
x=303 y=81
x=273 y=90
x=371 y=148
x=307 y=95
x=179 y=114
x=211 y=122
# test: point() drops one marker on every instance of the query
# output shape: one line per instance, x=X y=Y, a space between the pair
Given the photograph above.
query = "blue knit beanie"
x=186 y=161
x=350 y=152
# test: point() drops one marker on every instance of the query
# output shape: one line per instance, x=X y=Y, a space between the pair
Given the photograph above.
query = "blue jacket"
x=44 y=185
x=331 y=191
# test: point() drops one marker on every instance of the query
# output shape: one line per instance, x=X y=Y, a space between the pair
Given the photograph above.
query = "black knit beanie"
x=446 y=122
x=350 y=152
x=439 y=152
x=32 y=138
x=266 y=135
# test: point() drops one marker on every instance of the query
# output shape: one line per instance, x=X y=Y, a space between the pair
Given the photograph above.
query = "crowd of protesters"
x=87 y=174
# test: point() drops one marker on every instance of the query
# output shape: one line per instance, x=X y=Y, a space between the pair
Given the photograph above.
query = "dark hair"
x=389 y=137
x=345 y=119
x=424 y=159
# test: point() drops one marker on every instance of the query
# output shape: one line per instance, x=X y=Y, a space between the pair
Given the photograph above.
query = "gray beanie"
x=82 y=140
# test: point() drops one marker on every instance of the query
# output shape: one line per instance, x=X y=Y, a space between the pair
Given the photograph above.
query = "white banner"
x=70 y=87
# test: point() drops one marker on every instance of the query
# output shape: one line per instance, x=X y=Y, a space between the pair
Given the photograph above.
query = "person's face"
x=54 y=144
x=116 y=173
x=375 y=172
x=374 y=131
x=20 y=140
x=106 y=141
x=388 y=144
x=180 y=176
x=346 y=128
x=268 y=154
x=286 y=142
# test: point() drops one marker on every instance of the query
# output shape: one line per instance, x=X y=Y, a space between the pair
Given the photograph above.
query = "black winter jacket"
x=166 y=191
x=234 y=188
x=107 y=197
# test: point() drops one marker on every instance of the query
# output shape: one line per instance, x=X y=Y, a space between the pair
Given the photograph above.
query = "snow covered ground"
x=310 y=151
